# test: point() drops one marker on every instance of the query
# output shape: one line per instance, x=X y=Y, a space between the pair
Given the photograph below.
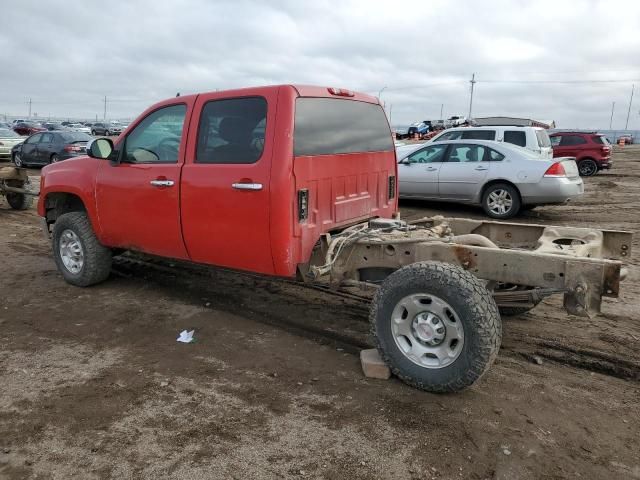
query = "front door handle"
x=431 y=169
x=482 y=168
x=247 y=186
x=162 y=183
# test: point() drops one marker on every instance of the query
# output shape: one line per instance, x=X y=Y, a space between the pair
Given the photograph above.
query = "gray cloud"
x=67 y=55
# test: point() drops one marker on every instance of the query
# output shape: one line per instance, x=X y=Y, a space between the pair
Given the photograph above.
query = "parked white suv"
x=535 y=139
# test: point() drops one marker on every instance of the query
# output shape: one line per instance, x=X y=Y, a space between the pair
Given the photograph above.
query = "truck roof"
x=302 y=91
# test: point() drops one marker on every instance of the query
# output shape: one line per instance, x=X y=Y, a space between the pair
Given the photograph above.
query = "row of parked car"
x=504 y=169
x=49 y=142
x=426 y=127
x=27 y=127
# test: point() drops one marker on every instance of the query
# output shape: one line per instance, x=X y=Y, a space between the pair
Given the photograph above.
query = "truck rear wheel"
x=80 y=258
x=436 y=326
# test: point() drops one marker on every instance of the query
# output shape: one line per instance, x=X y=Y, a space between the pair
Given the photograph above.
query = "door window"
x=568 y=140
x=34 y=139
x=515 y=137
x=46 y=138
x=431 y=154
x=555 y=141
x=156 y=139
x=232 y=131
x=466 y=153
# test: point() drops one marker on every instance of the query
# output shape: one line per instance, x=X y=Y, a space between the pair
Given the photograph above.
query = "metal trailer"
x=13 y=185
x=442 y=285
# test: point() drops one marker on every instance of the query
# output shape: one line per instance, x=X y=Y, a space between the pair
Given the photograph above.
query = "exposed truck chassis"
x=13 y=183
x=443 y=281
x=583 y=263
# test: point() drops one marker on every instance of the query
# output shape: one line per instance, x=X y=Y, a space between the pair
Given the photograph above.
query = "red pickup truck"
x=300 y=181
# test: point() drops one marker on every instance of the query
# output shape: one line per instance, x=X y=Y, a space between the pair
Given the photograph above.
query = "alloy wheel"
x=500 y=202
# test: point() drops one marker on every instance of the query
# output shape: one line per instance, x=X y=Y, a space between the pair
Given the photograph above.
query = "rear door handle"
x=431 y=169
x=482 y=168
x=162 y=183
x=247 y=186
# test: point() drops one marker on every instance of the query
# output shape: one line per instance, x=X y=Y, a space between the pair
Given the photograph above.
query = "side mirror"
x=100 y=148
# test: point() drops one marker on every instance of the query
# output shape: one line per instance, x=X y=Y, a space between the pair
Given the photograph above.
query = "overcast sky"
x=67 y=55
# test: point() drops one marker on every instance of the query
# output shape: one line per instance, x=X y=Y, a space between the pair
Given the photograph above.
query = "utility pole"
x=104 y=114
x=29 y=102
x=626 y=125
x=473 y=82
x=441 y=107
x=613 y=106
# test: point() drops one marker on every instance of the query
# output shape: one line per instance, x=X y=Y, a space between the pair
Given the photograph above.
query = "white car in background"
x=78 y=127
x=535 y=139
x=500 y=177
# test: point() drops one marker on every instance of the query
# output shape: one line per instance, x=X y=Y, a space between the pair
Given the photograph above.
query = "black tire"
x=55 y=158
x=97 y=258
x=474 y=307
x=587 y=167
x=107 y=133
x=19 y=201
x=512 y=194
x=93 y=132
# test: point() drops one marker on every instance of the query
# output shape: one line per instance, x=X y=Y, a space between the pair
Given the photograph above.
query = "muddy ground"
x=94 y=385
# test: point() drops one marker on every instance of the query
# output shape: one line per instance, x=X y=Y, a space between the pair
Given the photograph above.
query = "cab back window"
x=328 y=126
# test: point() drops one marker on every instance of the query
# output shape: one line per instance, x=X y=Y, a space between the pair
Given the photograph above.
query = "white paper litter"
x=185 y=336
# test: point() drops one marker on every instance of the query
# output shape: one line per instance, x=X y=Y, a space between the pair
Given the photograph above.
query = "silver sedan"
x=502 y=178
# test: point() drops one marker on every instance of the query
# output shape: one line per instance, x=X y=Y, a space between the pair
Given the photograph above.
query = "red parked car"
x=591 y=150
x=27 y=128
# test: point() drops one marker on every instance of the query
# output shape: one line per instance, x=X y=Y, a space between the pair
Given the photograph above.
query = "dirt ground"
x=94 y=385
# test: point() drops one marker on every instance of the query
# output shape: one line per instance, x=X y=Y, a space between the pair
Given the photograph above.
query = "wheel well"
x=57 y=204
x=496 y=182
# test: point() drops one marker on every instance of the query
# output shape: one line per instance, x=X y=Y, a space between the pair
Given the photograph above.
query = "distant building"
x=513 y=121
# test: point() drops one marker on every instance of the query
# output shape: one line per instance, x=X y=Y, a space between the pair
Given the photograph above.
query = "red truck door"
x=138 y=199
x=225 y=187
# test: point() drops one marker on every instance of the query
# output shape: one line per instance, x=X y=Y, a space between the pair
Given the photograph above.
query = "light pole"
x=626 y=125
x=613 y=106
x=473 y=82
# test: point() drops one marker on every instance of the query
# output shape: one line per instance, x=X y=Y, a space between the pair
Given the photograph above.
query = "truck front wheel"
x=80 y=258
x=436 y=326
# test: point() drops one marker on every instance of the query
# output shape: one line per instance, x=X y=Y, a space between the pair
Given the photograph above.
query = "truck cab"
x=247 y=179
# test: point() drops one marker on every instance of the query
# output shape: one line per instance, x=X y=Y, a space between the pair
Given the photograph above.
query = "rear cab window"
x=328 y=126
